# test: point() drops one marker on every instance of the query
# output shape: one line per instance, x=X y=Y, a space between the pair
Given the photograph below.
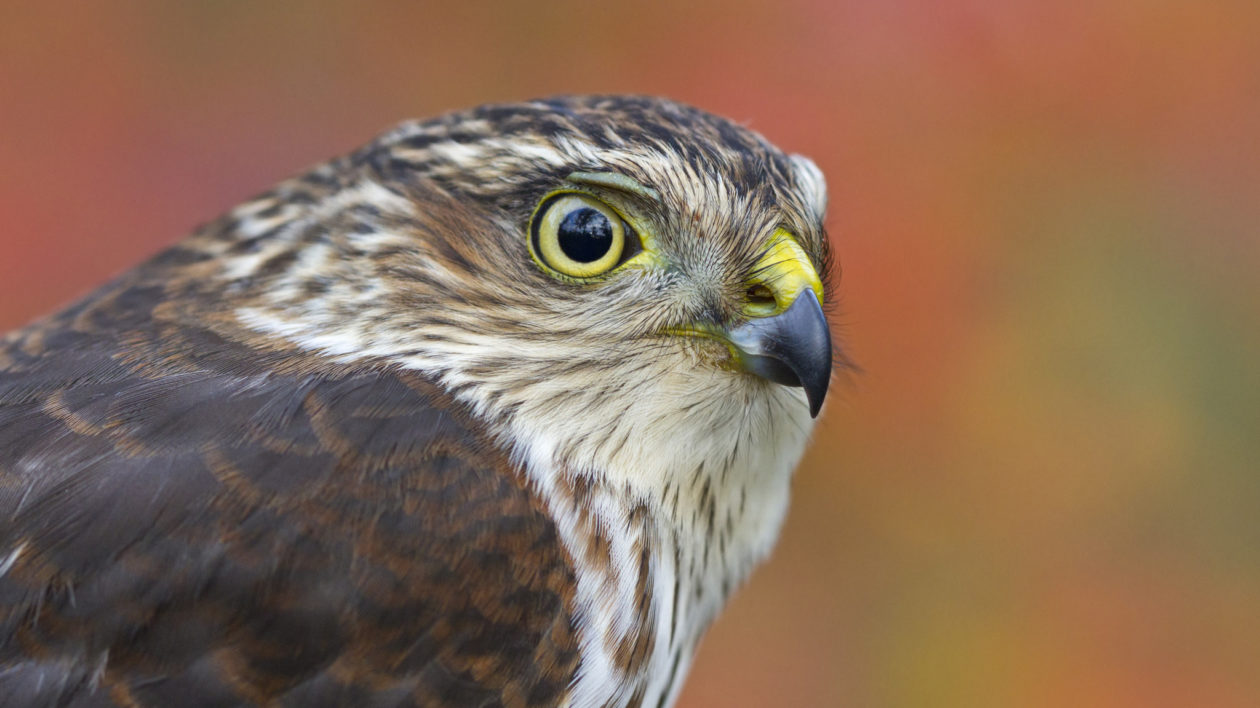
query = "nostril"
x=759 y=301
x=760 y=295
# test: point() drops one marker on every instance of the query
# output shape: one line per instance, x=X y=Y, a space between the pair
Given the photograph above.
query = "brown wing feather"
x=202 y=523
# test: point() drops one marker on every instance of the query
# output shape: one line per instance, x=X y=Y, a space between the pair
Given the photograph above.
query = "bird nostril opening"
x=760 y=299
x=760 y=295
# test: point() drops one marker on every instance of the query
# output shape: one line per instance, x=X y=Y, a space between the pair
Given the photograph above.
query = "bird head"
x=599 y=275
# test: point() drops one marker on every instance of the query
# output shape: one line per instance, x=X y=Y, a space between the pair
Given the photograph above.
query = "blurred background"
x=1044 y=489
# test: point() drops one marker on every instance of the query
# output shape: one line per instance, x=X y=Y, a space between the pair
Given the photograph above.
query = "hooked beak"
x=792 y=348
x=785 y=338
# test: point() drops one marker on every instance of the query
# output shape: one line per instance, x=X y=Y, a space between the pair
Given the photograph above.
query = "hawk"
x=495 y=411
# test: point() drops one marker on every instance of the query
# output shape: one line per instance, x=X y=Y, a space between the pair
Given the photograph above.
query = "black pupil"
x=585 y=235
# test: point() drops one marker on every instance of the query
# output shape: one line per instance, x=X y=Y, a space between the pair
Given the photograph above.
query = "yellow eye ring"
x=577 y=235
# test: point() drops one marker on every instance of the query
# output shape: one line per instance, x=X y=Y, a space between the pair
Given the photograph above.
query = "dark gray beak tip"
x=814 y=351
x=815 y=395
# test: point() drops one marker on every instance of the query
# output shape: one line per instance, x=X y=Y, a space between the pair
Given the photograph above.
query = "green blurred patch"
x=1106 y=461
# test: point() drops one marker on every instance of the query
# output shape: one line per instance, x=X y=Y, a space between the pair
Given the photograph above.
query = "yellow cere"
x=784 y=272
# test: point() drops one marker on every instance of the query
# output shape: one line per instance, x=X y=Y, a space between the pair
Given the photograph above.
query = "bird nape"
x=497 y=410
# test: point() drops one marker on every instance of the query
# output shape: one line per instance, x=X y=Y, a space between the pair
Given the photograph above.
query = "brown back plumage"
x=193 y=528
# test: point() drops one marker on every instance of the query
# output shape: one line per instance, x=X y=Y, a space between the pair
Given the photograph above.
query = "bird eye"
x=578 y=236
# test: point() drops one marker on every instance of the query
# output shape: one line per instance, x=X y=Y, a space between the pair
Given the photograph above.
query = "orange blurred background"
x=1045 y=488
